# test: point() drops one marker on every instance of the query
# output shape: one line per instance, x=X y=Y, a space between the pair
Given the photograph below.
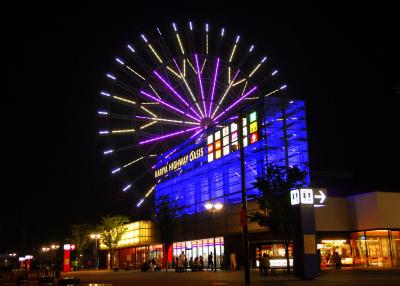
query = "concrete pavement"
x=344 y=277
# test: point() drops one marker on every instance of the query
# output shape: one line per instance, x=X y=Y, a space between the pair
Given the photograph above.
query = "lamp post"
x=96 y=236
x=213 y=208
x=52 y=256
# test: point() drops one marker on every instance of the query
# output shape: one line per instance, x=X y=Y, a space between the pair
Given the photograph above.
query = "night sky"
x=342 y=60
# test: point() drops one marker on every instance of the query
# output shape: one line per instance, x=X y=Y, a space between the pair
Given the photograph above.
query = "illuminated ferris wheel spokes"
x=169 y=89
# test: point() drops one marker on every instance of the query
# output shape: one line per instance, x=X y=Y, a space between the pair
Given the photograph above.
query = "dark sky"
x=343 y=60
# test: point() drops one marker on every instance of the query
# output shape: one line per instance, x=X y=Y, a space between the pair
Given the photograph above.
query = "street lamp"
x=51 y=254
x=213 y=208
x=96 y=236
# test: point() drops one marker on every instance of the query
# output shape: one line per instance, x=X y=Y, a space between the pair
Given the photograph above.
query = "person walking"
x=210 y=261
x=232 y=260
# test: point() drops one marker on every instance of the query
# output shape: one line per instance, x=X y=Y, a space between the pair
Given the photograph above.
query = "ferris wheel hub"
x=206 y=122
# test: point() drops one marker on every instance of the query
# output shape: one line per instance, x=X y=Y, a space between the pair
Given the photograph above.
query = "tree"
x=275 y=211
x=79 y=237
x=111 y=229
x=166 y=215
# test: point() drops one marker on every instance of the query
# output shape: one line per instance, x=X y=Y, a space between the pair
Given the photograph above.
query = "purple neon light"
x=168 y=135
x=170 y=88
x=176 y=93
x=168 y=105
x=194 y=135
x=213 y=88
x=222 y=99
x=236 y=102
x=176 y=64
x=200 y=82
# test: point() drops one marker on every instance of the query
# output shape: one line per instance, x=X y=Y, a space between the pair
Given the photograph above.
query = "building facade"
x=363 y=229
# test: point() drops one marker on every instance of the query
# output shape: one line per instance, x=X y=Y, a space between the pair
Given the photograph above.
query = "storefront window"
x=329 y=247
x=156 y=252
x=276 y=251
x=395 y=241
x=201 y=247
x=378 y=248
x=359 y=248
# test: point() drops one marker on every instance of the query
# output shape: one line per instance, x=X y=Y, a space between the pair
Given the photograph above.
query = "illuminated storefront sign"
x=182 y=161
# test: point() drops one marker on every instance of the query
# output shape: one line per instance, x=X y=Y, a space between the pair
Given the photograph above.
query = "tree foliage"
x=275 y=210
x=111 y=229
x=165 y=217
x=80 y=237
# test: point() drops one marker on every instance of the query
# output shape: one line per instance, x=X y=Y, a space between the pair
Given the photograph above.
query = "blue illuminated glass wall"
x=282 y=141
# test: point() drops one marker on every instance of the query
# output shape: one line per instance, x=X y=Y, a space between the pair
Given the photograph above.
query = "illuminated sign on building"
x=230 y=138
x=182 y=161
x=220 y=143
x=308 y=197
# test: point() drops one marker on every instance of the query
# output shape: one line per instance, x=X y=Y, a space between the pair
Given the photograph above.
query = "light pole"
x=52 y=256
x=213 y=208
x=96 y=236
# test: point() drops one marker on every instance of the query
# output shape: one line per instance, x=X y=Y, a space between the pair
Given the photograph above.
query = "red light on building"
x=253 y=137
x=210 y=148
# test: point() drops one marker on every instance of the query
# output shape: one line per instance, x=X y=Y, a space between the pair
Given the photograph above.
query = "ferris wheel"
x=170 y=85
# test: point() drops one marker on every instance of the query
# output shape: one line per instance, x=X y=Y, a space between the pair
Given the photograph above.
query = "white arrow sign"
x=321 y=196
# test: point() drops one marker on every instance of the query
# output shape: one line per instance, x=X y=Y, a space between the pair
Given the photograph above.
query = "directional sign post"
x=306 y=260
x=320 y=196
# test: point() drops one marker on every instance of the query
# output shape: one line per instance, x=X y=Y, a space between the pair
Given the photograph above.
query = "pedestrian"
x=264 y=264
x=201 y=263
x=337 y=260
x=210 y=261
x=181 y=261
x=319 y=260
x=232 y=260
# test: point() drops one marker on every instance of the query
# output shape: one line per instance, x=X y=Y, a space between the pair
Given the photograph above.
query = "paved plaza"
x=342 y=277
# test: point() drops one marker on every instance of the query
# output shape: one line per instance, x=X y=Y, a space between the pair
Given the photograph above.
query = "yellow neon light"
x=175 y=121
x=272 y=92
x=124 y=99
x=147 y=125
x=238 y=82
x=155 y=53
x=184 y=68
x=190 y=64
x=232 y=53
x=173 y=72
x=123 y=131
x=204 y=63
x=226 y=92
x=149 y=192
x=180 y=44
x=150 y=103
x=133 y=162
x=207 y=44
x=135 y=72
x=229 y=74
x=152 y=88
x=255 y=69
x=191 y=93
x=244 y=88
x=148 y=111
